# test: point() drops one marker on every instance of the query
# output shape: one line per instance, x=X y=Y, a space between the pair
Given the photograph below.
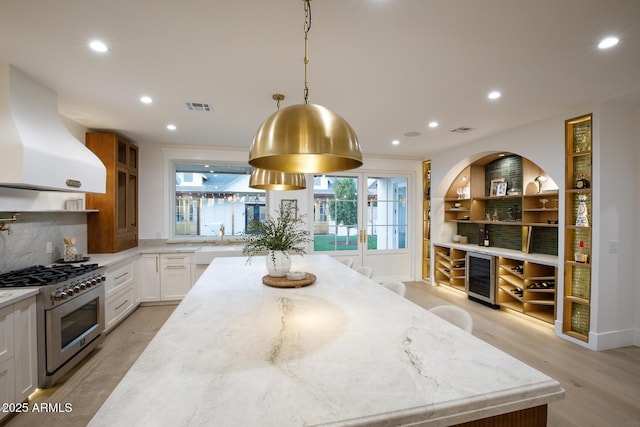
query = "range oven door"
x=73 y=325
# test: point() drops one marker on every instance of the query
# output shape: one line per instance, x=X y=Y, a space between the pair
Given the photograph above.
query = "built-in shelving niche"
x=526 y=220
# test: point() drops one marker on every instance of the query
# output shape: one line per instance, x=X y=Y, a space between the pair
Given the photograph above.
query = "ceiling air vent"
x=198 y=106
x=461 y=129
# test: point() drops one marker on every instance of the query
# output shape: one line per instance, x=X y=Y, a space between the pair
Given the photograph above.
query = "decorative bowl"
x=296 y=275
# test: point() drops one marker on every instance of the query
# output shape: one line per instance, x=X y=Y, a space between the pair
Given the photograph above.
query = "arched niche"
x=507 y=197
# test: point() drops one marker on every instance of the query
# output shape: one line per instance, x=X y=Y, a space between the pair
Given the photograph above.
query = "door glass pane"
x=133 y=157
x=335 y=213
x=121 y=203
x=122 y=152
x=132 y=201
x=387 y=219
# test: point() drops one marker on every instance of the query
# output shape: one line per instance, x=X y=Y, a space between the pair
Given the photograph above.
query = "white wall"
x=155 y=173
x=614 y=166
x=541 y=142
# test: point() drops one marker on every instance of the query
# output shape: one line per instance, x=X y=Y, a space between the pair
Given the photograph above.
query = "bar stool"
x=454 y=315
x=367 y=271
x=397 y=287
x=346 y=261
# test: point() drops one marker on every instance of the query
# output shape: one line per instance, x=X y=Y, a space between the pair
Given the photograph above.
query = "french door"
x=364 y=217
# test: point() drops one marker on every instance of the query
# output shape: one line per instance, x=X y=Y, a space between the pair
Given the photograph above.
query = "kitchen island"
x=342 y=351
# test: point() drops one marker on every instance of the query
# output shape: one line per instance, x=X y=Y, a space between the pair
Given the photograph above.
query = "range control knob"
x=82 y=285
x=59 y=295
x=76 y=289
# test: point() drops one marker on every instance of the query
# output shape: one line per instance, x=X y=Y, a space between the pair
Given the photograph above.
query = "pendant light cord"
x=307 y=28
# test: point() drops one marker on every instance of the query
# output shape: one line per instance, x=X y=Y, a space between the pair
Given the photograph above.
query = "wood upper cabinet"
x=115 y=227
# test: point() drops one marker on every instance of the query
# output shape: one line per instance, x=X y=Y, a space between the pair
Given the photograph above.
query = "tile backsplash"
x=27 y=243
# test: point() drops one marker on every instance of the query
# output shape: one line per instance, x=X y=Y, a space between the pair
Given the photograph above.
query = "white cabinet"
x=122 y=294
x=18 y=363
x=26 y=353
x=6 y=333
x=165 y=277
x=149 y=277
x=7 y=370
x=201 y=261
x=175 y=276
x=7 y=384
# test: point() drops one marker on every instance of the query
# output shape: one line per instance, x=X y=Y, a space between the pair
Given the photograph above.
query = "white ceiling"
x=387 y=66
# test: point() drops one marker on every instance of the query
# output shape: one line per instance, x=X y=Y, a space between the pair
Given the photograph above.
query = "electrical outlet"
x=49 y=247
x=613 y=246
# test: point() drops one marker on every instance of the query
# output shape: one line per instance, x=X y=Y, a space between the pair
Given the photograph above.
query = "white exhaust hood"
x=38 y=152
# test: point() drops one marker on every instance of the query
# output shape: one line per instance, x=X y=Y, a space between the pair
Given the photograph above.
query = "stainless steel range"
x=70 y=313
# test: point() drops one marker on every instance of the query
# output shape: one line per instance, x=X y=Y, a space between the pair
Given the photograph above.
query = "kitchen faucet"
x=3 y=226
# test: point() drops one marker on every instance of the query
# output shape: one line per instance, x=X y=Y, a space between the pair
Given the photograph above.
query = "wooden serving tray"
x=283 y=282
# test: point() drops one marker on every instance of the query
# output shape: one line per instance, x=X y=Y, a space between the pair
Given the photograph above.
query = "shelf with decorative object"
x=426 y=220
x=528 y=288
x=578 y=233
x=499 y=194
x=450 y=267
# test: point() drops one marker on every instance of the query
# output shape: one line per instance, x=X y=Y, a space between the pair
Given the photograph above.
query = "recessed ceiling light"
x=98 y=46
x=412 y=134
x=494 y=95
x=395 y=142
x=146 y=99
x=171 y=127
x=608 y=42
x=433 y=124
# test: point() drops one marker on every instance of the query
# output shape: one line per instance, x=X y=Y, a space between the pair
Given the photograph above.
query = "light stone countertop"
x=507 y=253
x=204 y=252
x=14 y=295
x=342 y=351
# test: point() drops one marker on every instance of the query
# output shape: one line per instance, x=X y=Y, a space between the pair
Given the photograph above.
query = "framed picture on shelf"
x=501 y=189
x=289 y=205
x=494 y=186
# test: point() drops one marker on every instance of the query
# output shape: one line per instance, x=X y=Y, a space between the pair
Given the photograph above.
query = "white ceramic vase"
x=281 y=266
x=70 y=252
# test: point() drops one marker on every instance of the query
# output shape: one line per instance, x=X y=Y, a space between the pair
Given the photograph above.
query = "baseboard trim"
x=614 y=339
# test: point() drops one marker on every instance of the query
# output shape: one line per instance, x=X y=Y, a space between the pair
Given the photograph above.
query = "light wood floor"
x=90 y=383
x=602 y=388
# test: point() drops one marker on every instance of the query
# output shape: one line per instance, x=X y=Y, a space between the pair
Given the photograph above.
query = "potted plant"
x=514 y=212
x=279 y=235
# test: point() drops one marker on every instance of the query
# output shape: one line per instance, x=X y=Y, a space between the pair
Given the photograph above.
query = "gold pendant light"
x=305 y=138
x=275 y=180
x=264 y=179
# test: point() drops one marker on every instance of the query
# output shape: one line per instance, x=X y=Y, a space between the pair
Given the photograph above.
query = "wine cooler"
x=481 y=278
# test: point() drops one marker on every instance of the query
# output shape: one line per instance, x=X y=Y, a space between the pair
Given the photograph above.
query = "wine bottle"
x=486 y=238
x=583 y=182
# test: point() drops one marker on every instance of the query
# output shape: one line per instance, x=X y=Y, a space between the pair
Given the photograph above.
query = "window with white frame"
x=215 y=200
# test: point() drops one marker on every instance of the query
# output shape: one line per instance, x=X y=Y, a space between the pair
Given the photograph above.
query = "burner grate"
x=39 y=275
